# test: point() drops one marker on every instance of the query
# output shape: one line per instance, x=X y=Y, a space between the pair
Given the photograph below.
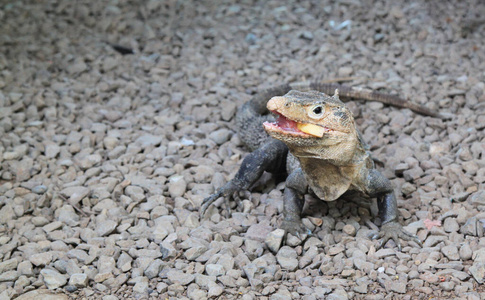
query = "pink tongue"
x=286 y=124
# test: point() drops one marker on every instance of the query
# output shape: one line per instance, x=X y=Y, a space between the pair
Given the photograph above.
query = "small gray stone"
x=258 y=232
x=451 y=251
x=9 y=276
x=478 y=272
x=177 y=186
x=154 y=268
x=53 y=279
x=168 y=250
x=78 y=280
x=214 y=270
x=194 y=252
x=109 y=63
x=204 y=280
x=141 y=286
x=41 y=259
x=105 y=228
x=349 y=229
x=22 y=169
x=399 y=287
x=75 y=193
x=9 y=265
x=215 y=290
x=39 y=189
x=447 y=286
x=25 y=268
x=90 y=161
x=77 y=67
x=433 y=240
x=192 y=220
x=465 y=252
x=254 y=249
x=382 y=253
x=124 y=262
x=162 y=287
x=287 y=258
x=80 y=255
x=52 y=226
x=68 y=216
x=274 y=239
x=220 y=136
x=42 y=294
x=106 y=264
x=451 y=225
x=177 y=276
x=307 y=35
x=51 y=150
x=6 y=213
x=345 y=71
x=477 y=198
x=148 y=140
x=470 y=227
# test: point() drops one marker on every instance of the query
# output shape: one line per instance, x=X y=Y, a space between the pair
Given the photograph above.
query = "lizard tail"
x=365 y=94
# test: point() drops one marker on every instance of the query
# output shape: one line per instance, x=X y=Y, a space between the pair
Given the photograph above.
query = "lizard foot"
x=395 y=231
x=227 y=191
x=296 y=228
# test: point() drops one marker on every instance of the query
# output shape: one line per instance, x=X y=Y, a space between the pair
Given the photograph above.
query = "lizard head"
x=310 y=121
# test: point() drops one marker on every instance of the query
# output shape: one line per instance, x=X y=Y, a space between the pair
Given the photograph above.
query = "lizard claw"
x=296 y=228
x=208 y=201
x=227 y=191
x=394 y=231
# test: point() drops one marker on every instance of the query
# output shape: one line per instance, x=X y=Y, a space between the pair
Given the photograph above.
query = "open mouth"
x=286 y=126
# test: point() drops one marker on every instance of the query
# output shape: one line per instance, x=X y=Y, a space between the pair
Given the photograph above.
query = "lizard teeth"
x=311 y=129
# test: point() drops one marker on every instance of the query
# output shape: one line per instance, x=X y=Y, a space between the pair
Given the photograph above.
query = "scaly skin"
x=327 y=165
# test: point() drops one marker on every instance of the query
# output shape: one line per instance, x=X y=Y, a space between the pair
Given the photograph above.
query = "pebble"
x=220 y=136
x=177 y=186
x=42 y=294
x=68 y=215
x=214 y=270
x=25 y=268
x=78 y=280
x=53 y=279
x=52 y=150
x=214 y=290
x=105 y=228
x=287 y=258
x=180 y=277
x=451 y=252
x=41 y=259
x=9 y=276
x=274 y=239
x=39 y=189
x=8 y=265
x=75 y=193
x=349 y=229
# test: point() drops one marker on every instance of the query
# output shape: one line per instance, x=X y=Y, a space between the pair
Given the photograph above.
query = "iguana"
x=313 y=138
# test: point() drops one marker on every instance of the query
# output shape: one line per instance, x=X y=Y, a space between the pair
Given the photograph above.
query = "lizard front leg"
x=270 y=157
x=296 y=187
x=381 y=188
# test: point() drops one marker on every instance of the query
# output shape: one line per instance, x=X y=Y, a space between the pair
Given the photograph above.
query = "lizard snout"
x=275 y=103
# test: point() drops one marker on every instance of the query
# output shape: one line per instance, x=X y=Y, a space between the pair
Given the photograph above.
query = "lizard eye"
x=316 y=112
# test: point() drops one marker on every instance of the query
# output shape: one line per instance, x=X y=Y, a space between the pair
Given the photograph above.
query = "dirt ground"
x=117 y=120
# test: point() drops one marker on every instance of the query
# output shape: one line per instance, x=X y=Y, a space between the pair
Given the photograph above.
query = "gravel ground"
x=105 y=158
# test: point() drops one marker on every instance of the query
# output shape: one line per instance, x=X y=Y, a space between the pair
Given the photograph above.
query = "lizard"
x=312 y=137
